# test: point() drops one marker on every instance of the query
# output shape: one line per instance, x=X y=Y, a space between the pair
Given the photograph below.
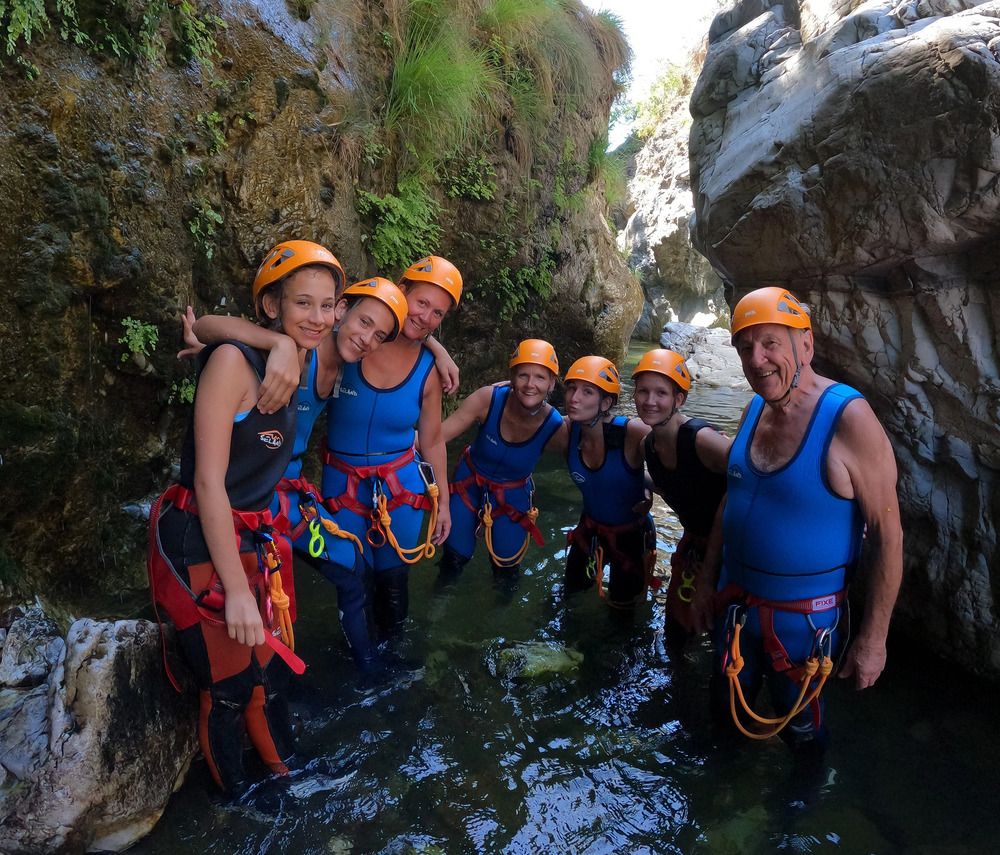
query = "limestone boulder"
x=852 y=153
x=677 y=281
x=93 y=739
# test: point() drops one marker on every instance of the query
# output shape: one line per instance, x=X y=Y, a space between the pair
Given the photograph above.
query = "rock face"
x=851 y=153
x=677 y=280
x=135 y=187
x=94 y=740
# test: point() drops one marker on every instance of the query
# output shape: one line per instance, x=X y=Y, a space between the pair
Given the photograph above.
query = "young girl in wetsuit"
x=214 y=568
x=604 y=456
x=376 y=309
x=491 y=490
x=686 y=460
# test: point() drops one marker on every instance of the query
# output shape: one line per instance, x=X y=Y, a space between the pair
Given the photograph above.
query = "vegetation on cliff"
x=151 y=151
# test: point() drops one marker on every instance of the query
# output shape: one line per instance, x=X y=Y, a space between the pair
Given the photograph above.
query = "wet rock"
x=533 y=660
x=94 y=742
x=859 y=167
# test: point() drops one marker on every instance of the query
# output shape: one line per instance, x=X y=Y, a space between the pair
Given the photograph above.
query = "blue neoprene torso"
x=310 y=407
x=368 y=425
x=612 y=489
x=496 y=458
x=786 y=535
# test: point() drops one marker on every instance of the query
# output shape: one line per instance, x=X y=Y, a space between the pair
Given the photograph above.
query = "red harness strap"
x=499 y=491
x=383 y=471
x=608 y=535
x=780 y=660
x=191 y=607
x=304 y=487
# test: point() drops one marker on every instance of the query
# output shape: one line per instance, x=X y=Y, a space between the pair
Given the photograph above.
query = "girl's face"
x=584 y=401
x=427 y=305
x=656 y=397
x=306 y=307
x=532 y=384
x=363 y=327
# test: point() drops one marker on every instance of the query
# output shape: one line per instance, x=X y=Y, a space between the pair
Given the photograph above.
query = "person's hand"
x=243 y=619
x=443 y=527
x=281 y=377
x=864 y=661
x=193 y=345
x=641 y=508
x=702 y=606
x=447 y=370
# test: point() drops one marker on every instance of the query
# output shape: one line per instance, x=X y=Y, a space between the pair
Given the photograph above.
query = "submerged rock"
x=538 y=659
x=93 y=738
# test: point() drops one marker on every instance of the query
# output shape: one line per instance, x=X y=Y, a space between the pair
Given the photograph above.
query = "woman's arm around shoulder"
x=712 y=449
x=473 y=410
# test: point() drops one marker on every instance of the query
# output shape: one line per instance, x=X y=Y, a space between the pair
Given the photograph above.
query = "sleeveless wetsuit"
x=337 y=558
x=788 y=537
x=608 y=523
x=239 y=685
x=377 y=427
x=693 y=492
x=500 y=470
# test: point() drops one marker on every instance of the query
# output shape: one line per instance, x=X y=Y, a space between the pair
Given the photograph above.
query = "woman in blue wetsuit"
x=491 y=490
x=374 y=483
x=372 y=312
x=213 y=565
x=686 y=460
x=604 y=456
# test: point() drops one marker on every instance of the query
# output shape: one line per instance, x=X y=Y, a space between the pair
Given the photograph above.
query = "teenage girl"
x=214 y=568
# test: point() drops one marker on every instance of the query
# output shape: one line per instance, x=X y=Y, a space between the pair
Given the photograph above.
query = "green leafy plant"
x=202 y=225
x=470 y=178
x=403 y=227
x=139 y=338
x=211 y=125
x=182 y=391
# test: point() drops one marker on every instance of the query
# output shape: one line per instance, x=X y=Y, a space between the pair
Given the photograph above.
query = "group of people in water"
x=773 y=519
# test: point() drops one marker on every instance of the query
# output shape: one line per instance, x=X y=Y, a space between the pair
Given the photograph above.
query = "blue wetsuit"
x=610 y=491
x=337 y=558
x=788 y=537
x=500 y=470
x=370 y=427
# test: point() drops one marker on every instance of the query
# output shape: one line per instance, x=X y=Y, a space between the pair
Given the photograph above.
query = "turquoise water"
x=458 y=755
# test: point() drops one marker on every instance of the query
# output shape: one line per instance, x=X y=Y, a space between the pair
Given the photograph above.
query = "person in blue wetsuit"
x=374 y=483
x=686 y=461
x=491 y=489
x=811 y=474
x=213 y=564
x=604 y=456
x=372 y=311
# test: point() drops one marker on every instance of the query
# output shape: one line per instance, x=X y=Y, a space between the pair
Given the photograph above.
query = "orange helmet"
x=290 y=255
x=386 y=292
x=438 y=271
x=668 y=363
x=597 y=370
x=770 y=305
x=535 y=351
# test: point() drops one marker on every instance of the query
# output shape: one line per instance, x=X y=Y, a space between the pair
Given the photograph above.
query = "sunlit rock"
x=93 y=742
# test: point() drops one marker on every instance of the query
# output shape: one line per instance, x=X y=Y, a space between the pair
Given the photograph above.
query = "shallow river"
x=617 y=756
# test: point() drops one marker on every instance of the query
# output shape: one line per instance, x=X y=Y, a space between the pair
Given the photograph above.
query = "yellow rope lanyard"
x=486 y=516
x=774 y=726
x=276 y=594
x=383 y=523
x=316 y=540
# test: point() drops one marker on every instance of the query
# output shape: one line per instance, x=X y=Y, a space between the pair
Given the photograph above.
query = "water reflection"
x=612 y=754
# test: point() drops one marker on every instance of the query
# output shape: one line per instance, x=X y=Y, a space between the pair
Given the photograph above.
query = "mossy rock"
x=533 y=660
